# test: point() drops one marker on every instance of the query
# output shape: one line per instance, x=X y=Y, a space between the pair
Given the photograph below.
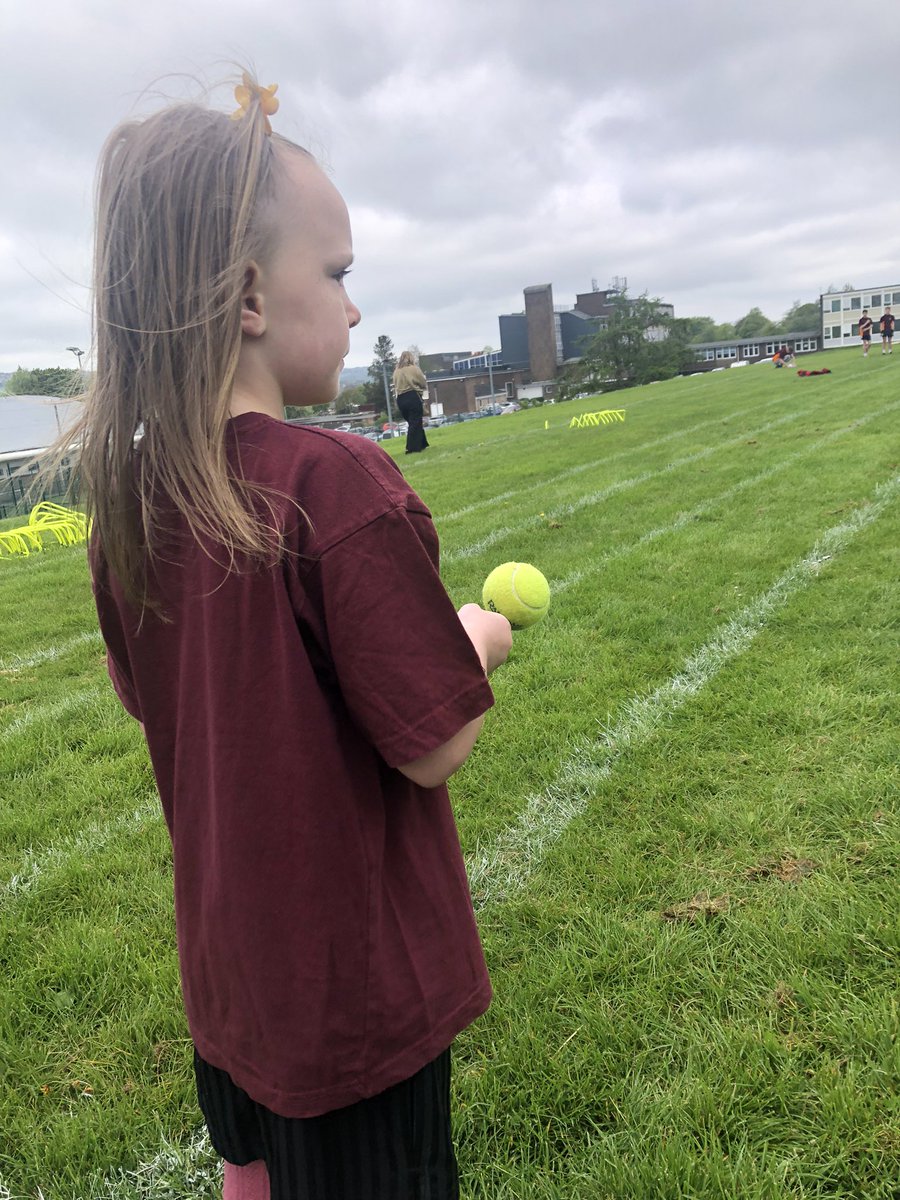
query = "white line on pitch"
x=604 y=461
x=685 y=518
x=88 y=841
x=44 y=712
x=22 y=662
x=612 y=489
x=501 y=870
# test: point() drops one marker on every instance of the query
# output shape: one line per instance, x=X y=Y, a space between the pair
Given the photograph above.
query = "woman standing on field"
x=409 y=384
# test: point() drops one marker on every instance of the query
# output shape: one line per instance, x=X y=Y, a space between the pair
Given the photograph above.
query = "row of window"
x=479 y=362
x=875 y=300
x=723 y=352
x=835 y=332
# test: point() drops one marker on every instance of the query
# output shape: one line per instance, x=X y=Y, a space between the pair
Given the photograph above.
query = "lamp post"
x=387 y=395
x=488 y=351
x=79 y=354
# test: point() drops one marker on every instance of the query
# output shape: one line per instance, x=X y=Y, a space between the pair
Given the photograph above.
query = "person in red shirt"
x=886 y=327
x=273 y=614
x=865 y=331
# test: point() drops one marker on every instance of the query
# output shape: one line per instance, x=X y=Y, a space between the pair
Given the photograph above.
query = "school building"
x=841 y=312
x=535 y=345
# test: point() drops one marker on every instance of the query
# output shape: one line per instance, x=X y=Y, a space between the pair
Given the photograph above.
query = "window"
x=726 y=352
x=709 y=355
x=876 y=300
x=846 y=331
x=896 y=298
x=826 y=333
x=803 y=344
x=771 y=347
x=835 y=306
x=750 y=352
x=856 y=302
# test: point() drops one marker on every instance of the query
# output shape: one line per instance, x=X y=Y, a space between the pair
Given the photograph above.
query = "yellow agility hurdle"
x=606 y=417
x=68 y=527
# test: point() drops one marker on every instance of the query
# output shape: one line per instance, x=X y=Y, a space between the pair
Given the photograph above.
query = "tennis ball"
x=519 y=591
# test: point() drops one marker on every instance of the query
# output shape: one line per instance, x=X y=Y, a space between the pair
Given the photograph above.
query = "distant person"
x=865 y=331
x=409 y=384
x=886 y=325
x=787 y=356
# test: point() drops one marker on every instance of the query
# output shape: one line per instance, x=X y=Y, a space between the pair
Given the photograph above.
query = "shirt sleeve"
x=407 y=669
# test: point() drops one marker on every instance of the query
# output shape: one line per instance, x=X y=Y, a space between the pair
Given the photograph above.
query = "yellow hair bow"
x=248 y=91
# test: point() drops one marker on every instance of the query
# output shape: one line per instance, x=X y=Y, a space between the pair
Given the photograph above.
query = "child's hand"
x=490 y=634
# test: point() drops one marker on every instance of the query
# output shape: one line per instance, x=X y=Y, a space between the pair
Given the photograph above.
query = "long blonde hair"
x=184 y=201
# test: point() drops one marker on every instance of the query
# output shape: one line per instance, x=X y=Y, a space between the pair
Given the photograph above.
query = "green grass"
x=750 y=1053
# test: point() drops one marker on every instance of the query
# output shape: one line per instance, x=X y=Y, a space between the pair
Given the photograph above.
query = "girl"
x=271 y=605
x=409 y=384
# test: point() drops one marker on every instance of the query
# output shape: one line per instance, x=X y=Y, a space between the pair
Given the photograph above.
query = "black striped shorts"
x=394 y=1146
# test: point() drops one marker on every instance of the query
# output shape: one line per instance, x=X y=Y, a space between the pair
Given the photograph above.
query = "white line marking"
x=603 y=461
x=684 y=518
x=46 y=712
x=178 y=1170
x=89 y=840
x=17 y=662
x=501 y=870
x=591 y=498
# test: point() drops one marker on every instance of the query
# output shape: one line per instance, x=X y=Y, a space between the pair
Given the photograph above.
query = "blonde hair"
x=184 y=201
x=406 y=359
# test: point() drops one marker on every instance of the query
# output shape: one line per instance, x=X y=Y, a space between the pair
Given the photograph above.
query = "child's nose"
x=354 y=316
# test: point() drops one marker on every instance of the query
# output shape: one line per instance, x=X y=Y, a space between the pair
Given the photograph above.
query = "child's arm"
x=491 y=635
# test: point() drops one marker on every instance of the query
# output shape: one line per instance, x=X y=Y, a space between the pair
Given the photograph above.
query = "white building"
x=841 y=312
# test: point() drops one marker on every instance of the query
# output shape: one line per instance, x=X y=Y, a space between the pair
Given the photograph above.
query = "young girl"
x=273 y=614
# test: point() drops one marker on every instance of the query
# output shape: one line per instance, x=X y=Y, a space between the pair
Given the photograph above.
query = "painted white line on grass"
x=603 y=461
x=503 y=869
x=22 y=662
x=685 y=518
x=89 y=840
x=178 y=1170
x=57 y=708
x=612 y=489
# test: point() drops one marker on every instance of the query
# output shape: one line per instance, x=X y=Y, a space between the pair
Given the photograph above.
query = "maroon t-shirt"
x=327 y=941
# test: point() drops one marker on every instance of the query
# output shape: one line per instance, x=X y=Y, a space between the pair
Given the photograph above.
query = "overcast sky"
x=717 y=155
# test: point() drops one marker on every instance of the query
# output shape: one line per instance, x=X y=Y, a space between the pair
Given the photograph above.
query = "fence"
x=17 y=476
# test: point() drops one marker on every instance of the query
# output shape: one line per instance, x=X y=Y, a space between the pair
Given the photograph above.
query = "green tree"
x=45 y=381
x=800 y=317
x=754 y=324
x=697 y=329
x=639 y=344
x=382 y=364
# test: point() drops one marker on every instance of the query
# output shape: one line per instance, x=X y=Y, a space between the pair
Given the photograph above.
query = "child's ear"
x=253 y=313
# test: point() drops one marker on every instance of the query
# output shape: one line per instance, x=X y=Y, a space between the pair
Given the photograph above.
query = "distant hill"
x=4 y=375
x=351 y=376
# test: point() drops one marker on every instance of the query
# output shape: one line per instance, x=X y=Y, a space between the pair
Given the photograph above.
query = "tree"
x=383 y=364
x=45 y=381
x=754 y=324
x=697 y=329
x=800 y=317
x=639 y=344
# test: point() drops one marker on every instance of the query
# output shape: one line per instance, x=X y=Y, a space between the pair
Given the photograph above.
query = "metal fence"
x=18 y=473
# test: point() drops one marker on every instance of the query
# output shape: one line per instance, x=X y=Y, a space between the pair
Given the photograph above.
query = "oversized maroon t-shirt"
x=326 y=936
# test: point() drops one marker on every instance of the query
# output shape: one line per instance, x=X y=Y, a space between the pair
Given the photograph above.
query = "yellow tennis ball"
x=519 y=591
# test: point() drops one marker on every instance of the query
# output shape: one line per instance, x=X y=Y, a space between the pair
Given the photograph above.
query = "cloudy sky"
x=717 y=155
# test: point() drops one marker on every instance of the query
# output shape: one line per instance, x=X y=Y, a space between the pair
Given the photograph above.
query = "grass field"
x=680 y=820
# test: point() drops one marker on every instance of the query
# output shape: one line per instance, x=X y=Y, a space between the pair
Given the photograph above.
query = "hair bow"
x=248 y=91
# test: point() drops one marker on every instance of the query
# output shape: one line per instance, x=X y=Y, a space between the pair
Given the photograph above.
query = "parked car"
x=509 y=407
